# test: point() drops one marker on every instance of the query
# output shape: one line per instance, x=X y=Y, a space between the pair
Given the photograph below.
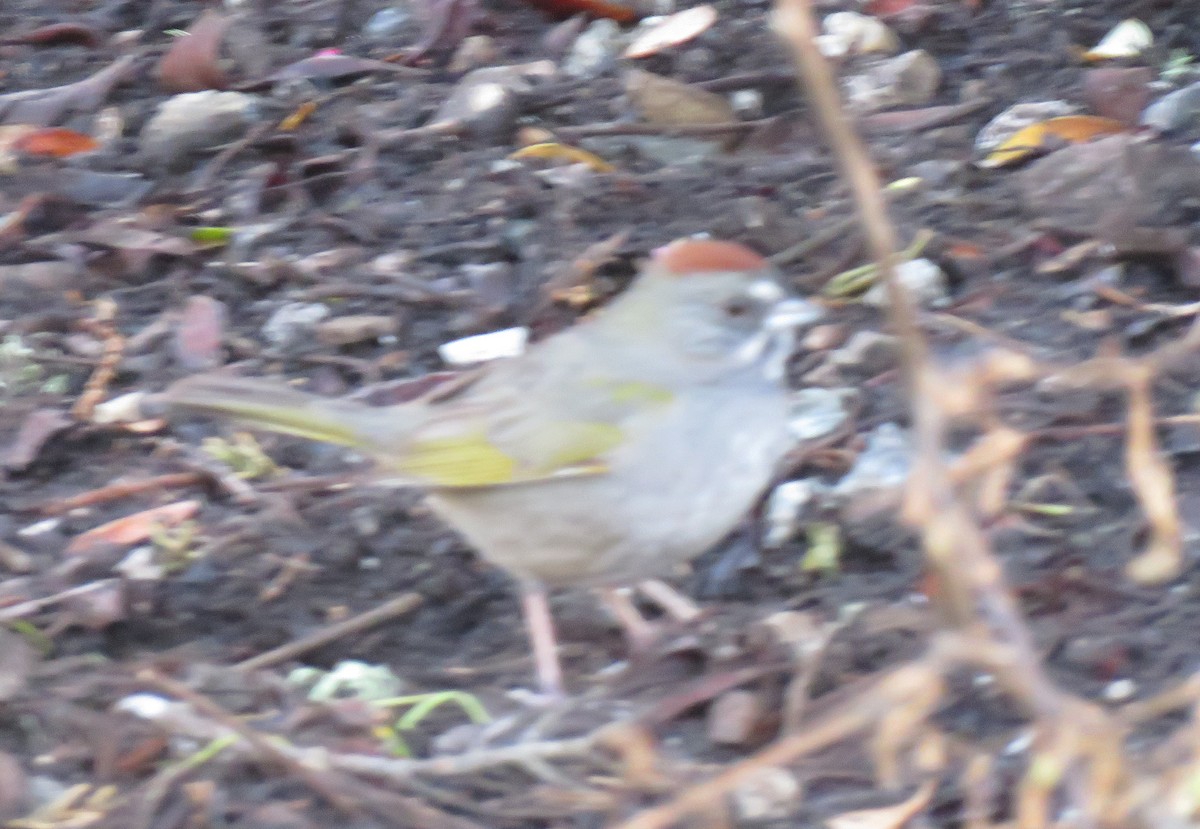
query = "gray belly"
x=688 y=483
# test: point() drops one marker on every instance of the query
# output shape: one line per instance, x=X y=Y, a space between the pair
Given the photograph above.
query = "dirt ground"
x=360 y=210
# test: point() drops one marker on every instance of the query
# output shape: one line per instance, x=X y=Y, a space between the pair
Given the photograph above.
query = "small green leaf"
x=212 y=235
x=824 y=548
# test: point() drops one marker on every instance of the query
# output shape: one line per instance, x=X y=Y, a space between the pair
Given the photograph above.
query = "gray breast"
x=668 y=498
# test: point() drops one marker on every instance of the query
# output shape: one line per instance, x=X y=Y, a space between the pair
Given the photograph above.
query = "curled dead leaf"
x=1071 y=129
x=671 y=103
x=1127 y=39
x=563 y=152
x=672 y=30
x=38 y=427
x=193 y=63
x=45 y=107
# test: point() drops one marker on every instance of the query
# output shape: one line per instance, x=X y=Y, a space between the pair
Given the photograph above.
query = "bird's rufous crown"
x=689 y=256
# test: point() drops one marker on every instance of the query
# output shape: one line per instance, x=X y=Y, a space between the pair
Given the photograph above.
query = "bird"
x=605 y=454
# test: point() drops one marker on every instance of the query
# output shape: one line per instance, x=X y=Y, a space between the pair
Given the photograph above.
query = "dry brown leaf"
x=46 y=107
x=1128 y=39
x=331 y=66
x=38 y=427
x=132 y=529
x=193 y=63
x=563 y=152
x=671 y=103
x=672 y=30
x=1072 y=129
x=118 y=235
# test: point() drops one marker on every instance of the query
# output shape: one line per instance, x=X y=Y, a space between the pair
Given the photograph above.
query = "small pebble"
x=1174 y=111
x=851 y=33
x=474 y=52
x=884 y=464
x=387 y=22
x=1120 y=690
x=816 y=412
x=736 y=718
x=485 y=101
x=786 y=509
x=193 y=122
x=768 y=794
x=293 y=322
x=594 y=51
x=925 y=282
x=480 y=348
x=908 y=80
x=356 y=328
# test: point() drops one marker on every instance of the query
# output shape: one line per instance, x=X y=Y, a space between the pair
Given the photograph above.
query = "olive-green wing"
x=516 y=426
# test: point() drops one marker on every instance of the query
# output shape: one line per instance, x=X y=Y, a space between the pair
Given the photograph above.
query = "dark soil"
x=483 y=243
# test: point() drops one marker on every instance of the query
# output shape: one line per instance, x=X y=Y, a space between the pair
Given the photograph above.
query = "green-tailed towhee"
x=603 y=455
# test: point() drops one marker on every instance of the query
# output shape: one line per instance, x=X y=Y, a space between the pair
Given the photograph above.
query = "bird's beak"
x=790 y=313
x=779 y=333
x=773 y=344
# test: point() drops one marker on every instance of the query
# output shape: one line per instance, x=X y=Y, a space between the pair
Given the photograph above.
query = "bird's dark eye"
x=738 y=308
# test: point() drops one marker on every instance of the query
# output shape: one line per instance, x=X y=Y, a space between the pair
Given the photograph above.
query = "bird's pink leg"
x=640 y=633
x=676 y=605
x=540 y=624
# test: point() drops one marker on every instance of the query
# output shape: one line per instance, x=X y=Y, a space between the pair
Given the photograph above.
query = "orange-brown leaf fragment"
x=1072 y=129
x=132 y=529
x=617 y=11
x=55 y=142
x=563 y=152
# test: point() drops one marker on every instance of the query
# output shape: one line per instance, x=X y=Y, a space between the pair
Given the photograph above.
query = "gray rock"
x=194 y=122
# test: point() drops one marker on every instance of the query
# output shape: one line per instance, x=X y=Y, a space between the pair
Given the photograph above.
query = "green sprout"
x=824 y=548
x=18 y=371
x=422 y=706
x=857 y=280
x=175 y=545
x=376 y=684
x=242 y=454
x=1179 y=66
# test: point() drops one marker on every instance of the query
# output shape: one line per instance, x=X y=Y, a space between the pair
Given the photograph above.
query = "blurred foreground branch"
x=1080 y=770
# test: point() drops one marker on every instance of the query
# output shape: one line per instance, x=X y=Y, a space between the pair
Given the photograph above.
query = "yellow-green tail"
x=276 y=407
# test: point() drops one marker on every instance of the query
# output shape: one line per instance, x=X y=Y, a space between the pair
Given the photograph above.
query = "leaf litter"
x=401 y=225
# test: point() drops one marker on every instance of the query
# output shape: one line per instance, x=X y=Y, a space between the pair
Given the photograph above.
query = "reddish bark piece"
x=1120 y=93
x=57 y=34
x=597 y=8
x=200 y=332
x=884 y=9
x=193 y=63
x=449 y=22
